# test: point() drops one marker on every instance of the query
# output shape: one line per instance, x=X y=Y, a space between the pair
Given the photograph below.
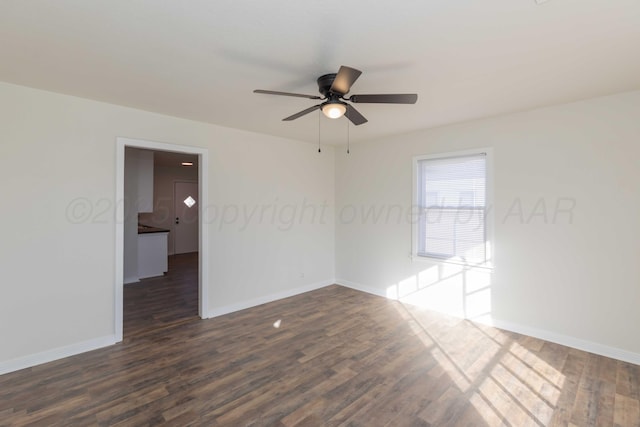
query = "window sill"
x=487 y=265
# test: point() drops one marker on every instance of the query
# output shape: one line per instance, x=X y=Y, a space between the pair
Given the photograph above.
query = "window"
x=452 y=199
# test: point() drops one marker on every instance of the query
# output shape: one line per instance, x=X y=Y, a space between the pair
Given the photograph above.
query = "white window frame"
x=489 y=217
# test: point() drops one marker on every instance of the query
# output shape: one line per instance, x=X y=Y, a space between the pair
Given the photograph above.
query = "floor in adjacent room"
x=162 y=301
x=334 y=356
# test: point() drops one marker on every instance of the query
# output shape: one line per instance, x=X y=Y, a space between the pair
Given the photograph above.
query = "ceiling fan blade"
x=355 y=116
x=299 y=95
x=301 y=113
x=344 y=79
x=397 y=98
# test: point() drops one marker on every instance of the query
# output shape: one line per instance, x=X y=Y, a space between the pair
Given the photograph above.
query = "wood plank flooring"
x=331 y=357
x=160 y=301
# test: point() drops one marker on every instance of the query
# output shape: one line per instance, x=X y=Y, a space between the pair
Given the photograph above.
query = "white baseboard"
x=569 y=341
x=93 y=344
x=130 y=280
x=359 y=287
x=220 y=311
x=55 y=354
x=73 y=349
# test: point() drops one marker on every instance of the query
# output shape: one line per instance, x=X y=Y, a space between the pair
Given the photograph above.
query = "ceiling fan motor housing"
x=324 y=84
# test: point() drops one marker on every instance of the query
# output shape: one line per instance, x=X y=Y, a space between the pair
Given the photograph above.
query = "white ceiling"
x=201 y=59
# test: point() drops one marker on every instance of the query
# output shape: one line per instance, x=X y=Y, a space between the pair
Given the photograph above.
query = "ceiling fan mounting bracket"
x=324 y=84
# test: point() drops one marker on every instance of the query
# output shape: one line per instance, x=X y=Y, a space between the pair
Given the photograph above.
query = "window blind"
x=452 y=208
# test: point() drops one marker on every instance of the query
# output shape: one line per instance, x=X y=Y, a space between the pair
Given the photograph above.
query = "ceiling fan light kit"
x=333 y=88
x=334 y=109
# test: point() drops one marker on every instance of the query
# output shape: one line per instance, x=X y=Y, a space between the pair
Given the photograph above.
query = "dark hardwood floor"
x=161 y=301
x=329 y=357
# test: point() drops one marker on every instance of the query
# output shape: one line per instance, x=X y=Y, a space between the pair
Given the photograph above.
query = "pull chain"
x=348 y=137
x=319 y=114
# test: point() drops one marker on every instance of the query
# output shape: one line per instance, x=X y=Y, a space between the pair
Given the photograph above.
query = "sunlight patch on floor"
x=506 y=382
x=454 y=289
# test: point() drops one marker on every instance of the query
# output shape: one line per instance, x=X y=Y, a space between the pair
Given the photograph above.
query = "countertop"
x=147 y=229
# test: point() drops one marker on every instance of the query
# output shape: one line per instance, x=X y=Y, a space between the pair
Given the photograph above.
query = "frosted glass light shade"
x=334 y=110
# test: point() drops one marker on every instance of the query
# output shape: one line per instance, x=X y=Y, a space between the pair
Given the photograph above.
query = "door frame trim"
x=203 y=246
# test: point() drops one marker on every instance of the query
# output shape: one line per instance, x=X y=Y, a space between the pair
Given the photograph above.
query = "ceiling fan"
x=333 y=88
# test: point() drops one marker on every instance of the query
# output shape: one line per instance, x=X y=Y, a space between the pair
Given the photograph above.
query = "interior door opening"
x=151 y=296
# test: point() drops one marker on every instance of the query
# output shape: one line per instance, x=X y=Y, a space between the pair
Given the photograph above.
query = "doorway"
x=124 y=222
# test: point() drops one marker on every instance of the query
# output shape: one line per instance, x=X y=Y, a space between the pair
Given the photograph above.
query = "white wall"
x=57 y=248
x=573 y=278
